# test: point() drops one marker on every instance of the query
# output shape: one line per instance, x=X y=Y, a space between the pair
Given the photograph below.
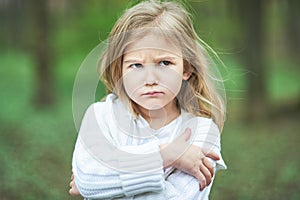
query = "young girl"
x=157 y=134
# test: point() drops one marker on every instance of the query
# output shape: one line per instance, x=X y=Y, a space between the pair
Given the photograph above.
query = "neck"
x=160 y=117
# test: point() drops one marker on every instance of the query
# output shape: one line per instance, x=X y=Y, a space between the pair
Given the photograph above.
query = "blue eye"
x=164 y=63
x=136 y=66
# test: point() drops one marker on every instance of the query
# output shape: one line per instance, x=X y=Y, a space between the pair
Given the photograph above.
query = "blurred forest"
x=44 y=42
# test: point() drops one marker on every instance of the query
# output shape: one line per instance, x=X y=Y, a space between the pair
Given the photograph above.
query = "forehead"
x=152 y=41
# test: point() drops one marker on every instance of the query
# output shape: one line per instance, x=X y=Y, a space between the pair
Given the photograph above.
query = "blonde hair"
x=198 y=95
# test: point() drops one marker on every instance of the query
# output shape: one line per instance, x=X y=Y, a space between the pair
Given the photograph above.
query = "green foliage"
x=36 y=144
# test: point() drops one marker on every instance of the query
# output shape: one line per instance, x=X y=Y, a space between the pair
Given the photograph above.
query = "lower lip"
x=153 y=94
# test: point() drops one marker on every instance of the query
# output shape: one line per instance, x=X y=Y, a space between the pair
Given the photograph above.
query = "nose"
x=151 y=76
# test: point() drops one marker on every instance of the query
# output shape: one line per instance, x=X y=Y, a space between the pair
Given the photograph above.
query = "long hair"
x=203 y=93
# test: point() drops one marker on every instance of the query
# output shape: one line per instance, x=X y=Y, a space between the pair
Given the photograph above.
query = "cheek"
x=171 y=80
x=132 y=82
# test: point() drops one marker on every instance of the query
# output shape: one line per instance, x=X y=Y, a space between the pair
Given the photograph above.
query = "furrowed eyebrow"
x=159 y=58
x=132 y=61
x=165 y=58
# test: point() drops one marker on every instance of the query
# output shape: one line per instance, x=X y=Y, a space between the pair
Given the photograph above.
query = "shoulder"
x=101 y=110
x=208 y=128
x=205 y=133
x=207 y=124
x=97 y=120
x=200 y=124
x=103 y=106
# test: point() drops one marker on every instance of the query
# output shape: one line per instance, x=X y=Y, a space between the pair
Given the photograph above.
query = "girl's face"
x=152 y=72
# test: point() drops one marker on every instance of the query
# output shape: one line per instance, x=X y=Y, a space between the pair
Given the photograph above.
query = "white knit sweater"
x=117 y=156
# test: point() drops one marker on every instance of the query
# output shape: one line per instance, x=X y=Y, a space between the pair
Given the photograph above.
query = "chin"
x=152 y=106
x=155 y=107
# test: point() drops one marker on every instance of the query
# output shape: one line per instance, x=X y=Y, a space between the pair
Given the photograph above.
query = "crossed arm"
x=94 y=179
x=195 y=162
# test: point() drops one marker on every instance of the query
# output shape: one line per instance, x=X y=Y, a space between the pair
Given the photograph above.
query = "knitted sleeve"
x=179 y=185
x=103 y=170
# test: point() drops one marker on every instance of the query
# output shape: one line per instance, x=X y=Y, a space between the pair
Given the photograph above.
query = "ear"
x=187 y=70
x=186 y=75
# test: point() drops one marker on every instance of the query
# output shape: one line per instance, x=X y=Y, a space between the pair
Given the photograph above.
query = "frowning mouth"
x=153 y=93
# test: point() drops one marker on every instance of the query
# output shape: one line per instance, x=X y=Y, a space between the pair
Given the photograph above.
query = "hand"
x=73 y=189
x=189 y=158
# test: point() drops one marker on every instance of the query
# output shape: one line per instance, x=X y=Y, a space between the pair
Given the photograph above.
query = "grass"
x=262 y=159
x=36 y=144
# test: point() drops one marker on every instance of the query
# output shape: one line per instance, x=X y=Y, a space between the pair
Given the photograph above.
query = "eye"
x=136 y=66
x=164 y=63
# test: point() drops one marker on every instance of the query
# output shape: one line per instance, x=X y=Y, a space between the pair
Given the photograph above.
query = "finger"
x=74 y=191
x=72 y=176
x=202 y=180
x=209 y=166
x=206 y=173
x=71 y=191
x=211 y=154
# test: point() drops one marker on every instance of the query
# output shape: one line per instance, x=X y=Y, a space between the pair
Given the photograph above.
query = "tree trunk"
x=251 y=13
x=293 y=27
x=44 y=94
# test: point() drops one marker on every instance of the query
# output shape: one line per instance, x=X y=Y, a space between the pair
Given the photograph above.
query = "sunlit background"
x=43 y=43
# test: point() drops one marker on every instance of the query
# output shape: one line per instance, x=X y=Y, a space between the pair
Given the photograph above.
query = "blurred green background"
x=44 y=42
